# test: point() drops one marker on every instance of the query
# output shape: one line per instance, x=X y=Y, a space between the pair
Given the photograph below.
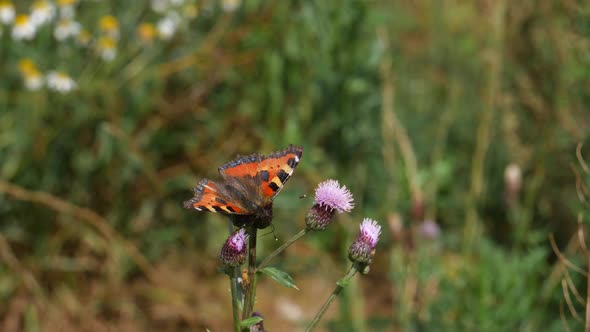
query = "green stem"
x=250 y=289
x=340 y=286
x=234 y=300
x=233 y=284
x=281 y=248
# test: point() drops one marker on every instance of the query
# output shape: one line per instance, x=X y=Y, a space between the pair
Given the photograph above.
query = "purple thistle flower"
x=362 y=249
x=429 y=229
x=233 y=252
x=330 y=198
x=331 y=195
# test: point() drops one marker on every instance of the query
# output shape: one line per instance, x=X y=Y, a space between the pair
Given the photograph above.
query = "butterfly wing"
x=275 y=169
x=264 y=175
x=211 y=197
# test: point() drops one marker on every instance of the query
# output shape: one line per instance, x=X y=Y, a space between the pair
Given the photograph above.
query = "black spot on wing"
x=230 y=209
x=292 y=162
x=220 y=200
x=218 y=209
x=273 y=186
x=264 y=175
x=283 y=176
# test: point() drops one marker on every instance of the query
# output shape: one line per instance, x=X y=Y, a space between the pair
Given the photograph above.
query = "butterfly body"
x=250 y=184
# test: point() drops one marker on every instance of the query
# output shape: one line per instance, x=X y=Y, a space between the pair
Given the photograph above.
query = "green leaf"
x=250 y=321
x=280 y=276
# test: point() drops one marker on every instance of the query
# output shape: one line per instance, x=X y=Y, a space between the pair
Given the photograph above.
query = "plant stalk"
x=282 y=248
x=233 y=285
x=340 y=286
x=234 y=299
x=250 y=288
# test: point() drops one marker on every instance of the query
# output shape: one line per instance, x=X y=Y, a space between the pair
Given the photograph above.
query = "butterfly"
x=250 y=184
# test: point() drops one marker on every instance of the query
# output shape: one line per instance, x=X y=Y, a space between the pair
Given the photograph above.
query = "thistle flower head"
x=330 y=198
x=233 y=252
x=363 y=248
x=331 y=195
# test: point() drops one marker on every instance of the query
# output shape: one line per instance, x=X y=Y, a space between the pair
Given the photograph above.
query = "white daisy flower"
x=66 y=28
x=34 y=81
x=23 y=28
x=7 y=12
x=107 y=48
x=84 y=38
x=42 y=12
x=60 y=82
x=67 y=8
x=230 y=5
x=160 y=6
x=109 y=25
x=167 y=26
x=32 y=77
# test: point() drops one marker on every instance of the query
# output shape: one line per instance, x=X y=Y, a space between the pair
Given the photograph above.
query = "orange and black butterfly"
x=250 y=184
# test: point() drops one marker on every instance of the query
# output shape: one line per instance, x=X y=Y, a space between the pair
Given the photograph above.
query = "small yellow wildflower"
x=23 y=28
x=106 y=48
x=7 y=12
x=146 y=32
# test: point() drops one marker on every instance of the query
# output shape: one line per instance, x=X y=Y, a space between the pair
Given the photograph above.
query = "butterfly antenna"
x=272 y=231
x=303 y=196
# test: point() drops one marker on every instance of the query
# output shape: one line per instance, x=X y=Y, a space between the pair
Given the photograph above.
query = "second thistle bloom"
x=363 y=248
x=233 y=252
x=330 y=198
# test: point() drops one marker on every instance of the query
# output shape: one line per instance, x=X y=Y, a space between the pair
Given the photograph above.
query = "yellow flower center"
x=108 y=23
x=26 y=66
x=21 y=20
x=106 y=43
x=84 y=37
x=40 y=5
x=66 y=2
x=5 y=4
x=146 y=31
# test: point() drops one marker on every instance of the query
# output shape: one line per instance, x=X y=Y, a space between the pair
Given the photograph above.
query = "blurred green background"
x=454 y=123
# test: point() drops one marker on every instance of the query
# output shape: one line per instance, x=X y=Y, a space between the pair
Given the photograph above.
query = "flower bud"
x=330 y=198
x=258 y=327
x=233 y=252
x=363 y=249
